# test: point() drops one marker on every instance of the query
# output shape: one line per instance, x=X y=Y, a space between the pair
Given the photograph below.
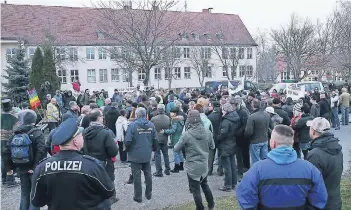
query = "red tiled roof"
x=79 y=26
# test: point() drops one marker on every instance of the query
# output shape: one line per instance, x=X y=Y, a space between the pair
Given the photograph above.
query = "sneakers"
x=175 y=169
x=156 y=174
x=167 y=172
x=137 y=200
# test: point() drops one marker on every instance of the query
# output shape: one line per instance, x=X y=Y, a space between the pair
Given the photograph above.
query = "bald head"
x=107 y=101
x=53 y=100
x=282 y=135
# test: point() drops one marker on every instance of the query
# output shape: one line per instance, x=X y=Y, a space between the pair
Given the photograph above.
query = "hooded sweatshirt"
x=99 y=142
x=197 y=142
x=326 y=154
x=282 y=181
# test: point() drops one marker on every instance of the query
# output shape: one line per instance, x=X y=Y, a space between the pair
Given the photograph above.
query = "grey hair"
x=161 y=106
x=270 y=102
x=140 y=112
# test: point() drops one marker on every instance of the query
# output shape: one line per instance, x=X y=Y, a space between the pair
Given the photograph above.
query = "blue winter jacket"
x=140 y=140
x=169 y=107
x=282 y=182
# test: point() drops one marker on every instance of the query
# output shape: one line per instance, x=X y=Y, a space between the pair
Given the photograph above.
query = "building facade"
x=89 y=60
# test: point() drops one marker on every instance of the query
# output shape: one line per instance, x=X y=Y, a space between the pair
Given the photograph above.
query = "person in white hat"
x=326 y=155
x=276 y=119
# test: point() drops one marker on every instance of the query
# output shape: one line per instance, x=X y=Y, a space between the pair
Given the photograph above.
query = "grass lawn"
x=231 y=202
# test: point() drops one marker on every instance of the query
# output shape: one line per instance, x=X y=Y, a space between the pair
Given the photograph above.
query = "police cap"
x=66 y=131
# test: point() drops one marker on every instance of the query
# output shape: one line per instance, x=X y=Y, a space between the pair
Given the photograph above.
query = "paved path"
x=168 y=190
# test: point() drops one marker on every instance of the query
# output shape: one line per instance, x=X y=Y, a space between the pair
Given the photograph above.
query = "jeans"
x=178 y=157
x=345 y=115
x=194 y=186
x=25 y=192
x=335 y=118
x=158 y=163
x=258 y=151
x=136 y=171
x=230 y=170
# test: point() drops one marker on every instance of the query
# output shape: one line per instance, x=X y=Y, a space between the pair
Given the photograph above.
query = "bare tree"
x=148 y=29
x=200 y=64
x=170 y=59
x=266 y=69
x=297 y=43
x=342 y=37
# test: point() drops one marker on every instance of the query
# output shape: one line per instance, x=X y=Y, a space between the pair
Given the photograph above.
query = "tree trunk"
x=130 y=78
x=169 y=83
x=147 y=77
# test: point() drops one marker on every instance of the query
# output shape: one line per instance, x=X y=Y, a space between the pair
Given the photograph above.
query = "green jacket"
x=100 y=102
x=176 y=129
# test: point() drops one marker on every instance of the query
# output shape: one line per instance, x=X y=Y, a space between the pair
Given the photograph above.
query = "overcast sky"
x=256 y=14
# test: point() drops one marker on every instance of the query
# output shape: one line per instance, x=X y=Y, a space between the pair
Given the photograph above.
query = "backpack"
x=21 y=148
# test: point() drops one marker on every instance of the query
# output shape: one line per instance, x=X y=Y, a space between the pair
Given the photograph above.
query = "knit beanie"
x=29 y=117
x=193 y=117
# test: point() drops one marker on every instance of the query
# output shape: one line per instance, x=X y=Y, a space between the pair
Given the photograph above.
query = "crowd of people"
x=258 y=141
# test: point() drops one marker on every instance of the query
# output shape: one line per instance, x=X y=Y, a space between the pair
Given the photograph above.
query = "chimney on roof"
x=155 y=5
x=5 y=2
x=127 y=5
x=208 y=10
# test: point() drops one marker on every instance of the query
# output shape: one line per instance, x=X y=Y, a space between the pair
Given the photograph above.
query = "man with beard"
x=250 y=97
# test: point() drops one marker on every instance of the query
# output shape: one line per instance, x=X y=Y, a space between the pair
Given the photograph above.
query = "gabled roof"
x=79 y=26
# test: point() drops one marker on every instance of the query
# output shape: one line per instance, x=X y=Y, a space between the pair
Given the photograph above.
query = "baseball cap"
x=270 y=110
x=66 y=131
x=319 y=124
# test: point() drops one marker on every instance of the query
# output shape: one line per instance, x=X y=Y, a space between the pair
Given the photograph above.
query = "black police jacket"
x=70 y=180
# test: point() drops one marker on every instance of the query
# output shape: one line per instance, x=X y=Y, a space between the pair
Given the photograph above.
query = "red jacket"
x=76 y=86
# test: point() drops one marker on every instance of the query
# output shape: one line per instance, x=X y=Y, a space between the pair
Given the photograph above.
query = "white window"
x=249 y=53
x=187 y=73
x=10 y=53
x=225 y=53
x=61 y=54
x=232 y=53
x=74 y=75
x=283 y=75
x=209 y=72
x=157 y=73
x=176 y=52
x=233 y=69
x=177 y=73
x=62 y=74
x=186 y=52
x=141 y=74
x=249 y=71
x=225 y=71
x=31 y=52
x=102 y=53
x=73 y=54
x=103 y=75
x=91 y=76
x=242 y=70
x=167 y=73
x=114 y=51
x=125 y=75
x=115 y=75
x=241 y=53
x=90 y=53
x=205 y=53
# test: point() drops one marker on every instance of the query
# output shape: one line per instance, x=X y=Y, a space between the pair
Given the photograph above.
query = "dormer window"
x=101 y=34
x=219 y=36
x=195 y=36
x=183 y=35
x=207 y=36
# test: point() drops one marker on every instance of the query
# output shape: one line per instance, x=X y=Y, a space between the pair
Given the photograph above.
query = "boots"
x=175 y=169
x=130 y=180
x=181 y=166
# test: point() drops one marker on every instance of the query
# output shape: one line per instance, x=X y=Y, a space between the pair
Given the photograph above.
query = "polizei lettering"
x=63 y=166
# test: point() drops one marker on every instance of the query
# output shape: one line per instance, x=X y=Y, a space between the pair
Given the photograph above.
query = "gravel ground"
x=167 y=191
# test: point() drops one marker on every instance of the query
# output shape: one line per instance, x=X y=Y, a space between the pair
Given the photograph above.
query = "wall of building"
x=83 y=64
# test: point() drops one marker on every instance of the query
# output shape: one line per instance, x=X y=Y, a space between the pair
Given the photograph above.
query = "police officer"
x=70 y=180
x=140 y=141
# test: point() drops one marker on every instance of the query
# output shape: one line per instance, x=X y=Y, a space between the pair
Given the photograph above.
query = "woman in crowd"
x=121 y=129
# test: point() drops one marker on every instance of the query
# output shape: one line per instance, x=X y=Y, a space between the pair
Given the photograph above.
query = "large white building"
x=86 y=55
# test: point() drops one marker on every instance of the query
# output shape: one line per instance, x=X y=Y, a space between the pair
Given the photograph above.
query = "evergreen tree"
x=17 y=78
x=36 y=78
x=50 y=74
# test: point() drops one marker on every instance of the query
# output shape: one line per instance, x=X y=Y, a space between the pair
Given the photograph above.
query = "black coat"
x=111 y=117
x=302 y=129
x=283 y=114
x=226 y=137
x=215 y=118
x=257 y=126
x=99 y=142
x=240 y=137
x=66 y=99
x=324 y=108
x=326 y=155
